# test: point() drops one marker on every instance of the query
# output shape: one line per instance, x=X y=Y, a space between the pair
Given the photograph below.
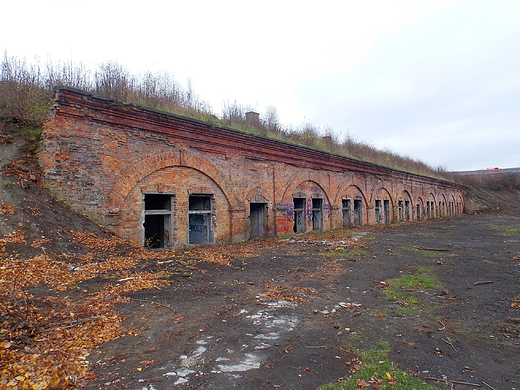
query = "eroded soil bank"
x=284 y=314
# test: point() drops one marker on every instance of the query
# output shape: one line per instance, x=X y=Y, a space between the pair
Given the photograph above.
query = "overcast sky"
x=434 y=80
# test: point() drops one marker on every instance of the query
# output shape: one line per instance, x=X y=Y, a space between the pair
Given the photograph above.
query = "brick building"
x=162 y=180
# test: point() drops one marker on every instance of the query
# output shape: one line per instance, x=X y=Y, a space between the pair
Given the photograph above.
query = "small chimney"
x=253 y=118
x=327 y=139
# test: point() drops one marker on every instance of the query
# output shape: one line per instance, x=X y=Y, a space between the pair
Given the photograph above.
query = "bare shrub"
x=26 y=92
x=493 y=181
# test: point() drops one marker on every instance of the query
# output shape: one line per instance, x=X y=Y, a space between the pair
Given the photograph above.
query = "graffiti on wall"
x=287 y=209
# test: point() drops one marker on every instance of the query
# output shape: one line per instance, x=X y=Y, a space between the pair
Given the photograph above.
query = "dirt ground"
x=282 y=318
x=285 y=314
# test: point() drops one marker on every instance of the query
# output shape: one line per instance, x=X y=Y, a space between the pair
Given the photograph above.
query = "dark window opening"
x=157 y=202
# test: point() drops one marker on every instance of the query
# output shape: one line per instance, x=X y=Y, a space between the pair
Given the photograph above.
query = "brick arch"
x=442 y=209
x=354 y=181
x=131 y=176
x=376 y=187
x=460 y=204
x=452 y=208
x=256 y=192
x=363 y=195
x=431 y=197
x=298 y=179
x=403 y=213
x=383 y=190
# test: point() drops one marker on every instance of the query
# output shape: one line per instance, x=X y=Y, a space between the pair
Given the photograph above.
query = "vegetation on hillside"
x=27 y=90
x=496 y=181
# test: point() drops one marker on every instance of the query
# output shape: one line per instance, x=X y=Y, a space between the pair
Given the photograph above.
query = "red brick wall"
x=102 y=156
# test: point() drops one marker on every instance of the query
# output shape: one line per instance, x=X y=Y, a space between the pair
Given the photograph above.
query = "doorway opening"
x=346 y=207
x=386 y=208
x=317 y=214
x=199 y=219
x=378 y=212
x=358 y=212
x=299 y=215
x=257 y=220
x=158 y=220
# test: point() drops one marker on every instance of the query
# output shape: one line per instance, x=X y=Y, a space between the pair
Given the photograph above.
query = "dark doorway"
x=257 y=220
x=378 y=211
x=358 y=212
x=158 y=220
x=346 y=207
x=299 y=215
x=386 y=206
x=199 y=221
x=317 y=214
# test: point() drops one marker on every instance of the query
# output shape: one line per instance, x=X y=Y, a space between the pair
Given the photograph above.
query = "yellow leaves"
x=17 y=237
x=7 y=208
x=59 y=332
x=39 y=269
x=38 y=243
x=91 y=241
x=276 y=293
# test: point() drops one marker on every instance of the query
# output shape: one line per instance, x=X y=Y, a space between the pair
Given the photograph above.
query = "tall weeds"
x=27 y=90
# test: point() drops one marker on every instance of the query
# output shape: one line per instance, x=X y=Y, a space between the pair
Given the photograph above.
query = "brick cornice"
x=198 y=134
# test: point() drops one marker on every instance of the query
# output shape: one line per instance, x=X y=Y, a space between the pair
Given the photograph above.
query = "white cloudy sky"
x=436 y=80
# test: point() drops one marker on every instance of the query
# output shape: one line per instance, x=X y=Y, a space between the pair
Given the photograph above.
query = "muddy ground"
x=286 y=314
x=283 y=317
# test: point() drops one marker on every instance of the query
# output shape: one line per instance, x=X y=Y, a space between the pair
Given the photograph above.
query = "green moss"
x=374 y=369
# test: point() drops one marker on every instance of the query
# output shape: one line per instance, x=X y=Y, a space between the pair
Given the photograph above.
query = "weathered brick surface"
x=102 y=156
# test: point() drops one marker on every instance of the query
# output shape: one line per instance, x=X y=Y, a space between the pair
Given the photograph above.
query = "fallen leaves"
x=16 y=237
x=7 y=208
x=45 y=337
x=285 y=293
x=91 y=241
